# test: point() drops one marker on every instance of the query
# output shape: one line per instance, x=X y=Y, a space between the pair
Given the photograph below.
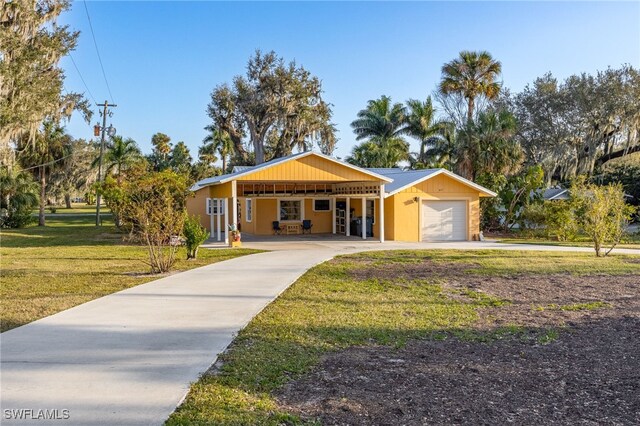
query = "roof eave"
x=484 y=192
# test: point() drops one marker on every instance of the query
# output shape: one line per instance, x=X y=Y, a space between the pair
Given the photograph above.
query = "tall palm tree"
x=438 y=151
x=383 y=124
x=472 y=74
x=379 y=153
x=381 y=118
x=489 y=146
x=216 y=142
x=52 y=144
x=122 y=153
x=422 y=125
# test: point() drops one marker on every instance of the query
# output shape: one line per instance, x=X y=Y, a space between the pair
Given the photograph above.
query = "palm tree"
x=438 y=151
x=216 y=142
x=121 y=153
x=489 y=146
x=421 y=125
x=471 y=75
x=51 y=146
x=383 y=124
x=18 y=195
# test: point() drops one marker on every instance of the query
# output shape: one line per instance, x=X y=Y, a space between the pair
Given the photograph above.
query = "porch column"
x=219 y=213
x=211 y=230
x=381 y=214
x=234 y=209
x=364 y=218
x=347 y=218
x=333 y=215
x=226 y=220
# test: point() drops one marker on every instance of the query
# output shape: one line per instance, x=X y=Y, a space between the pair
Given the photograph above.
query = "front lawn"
x=415 y=337
x=631 y=241
x=71 y=261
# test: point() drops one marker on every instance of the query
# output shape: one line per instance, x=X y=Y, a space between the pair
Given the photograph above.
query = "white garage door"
x=444 y=220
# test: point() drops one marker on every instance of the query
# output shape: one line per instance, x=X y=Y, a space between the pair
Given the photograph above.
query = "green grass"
x=512 y=262
x=71 y=261
x=587 y=306
x=631 y=242
x=76 y=208
x=331 y=308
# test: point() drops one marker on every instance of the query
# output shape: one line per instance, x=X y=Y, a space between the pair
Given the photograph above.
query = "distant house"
x=555 y=194
x=416 y=205
x=558 y=194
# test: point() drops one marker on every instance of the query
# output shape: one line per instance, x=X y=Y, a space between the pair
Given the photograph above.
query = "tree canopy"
x=31 y=81
x=274 y=108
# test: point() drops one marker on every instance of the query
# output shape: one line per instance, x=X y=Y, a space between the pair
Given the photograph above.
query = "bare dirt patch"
x=424 y=269
x=589 y=375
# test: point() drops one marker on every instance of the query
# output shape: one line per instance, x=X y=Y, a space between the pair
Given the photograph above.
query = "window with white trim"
x=249 y=209
x=290 y=209
x=215 y=207
x=208 y=206
x=322 y=205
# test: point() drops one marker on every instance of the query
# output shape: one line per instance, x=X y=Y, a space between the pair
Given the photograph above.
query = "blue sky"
x=162 y=59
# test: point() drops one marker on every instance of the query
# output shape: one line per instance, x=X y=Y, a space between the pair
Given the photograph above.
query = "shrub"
x=152 y=208
x=602 y=213
x=194 y=234
x=18 y=196
x=560 y=219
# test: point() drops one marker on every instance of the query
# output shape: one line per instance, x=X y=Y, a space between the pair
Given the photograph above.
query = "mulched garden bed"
x=589 y=375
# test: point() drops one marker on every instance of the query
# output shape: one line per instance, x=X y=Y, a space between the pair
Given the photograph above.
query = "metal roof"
x=395 y=178
x=555 y=194
x=402 y=178
x=244 y=170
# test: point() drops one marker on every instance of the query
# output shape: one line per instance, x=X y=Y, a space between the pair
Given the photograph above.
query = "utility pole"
x=103 y=130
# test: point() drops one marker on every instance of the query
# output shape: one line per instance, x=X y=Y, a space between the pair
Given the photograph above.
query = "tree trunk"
x=43 y=185
x=258 y=150
x=67 y=200
x=471 y=104
x=224 y=164
x=617 y=154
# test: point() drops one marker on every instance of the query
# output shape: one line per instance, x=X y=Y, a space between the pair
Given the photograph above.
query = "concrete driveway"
x=129 y=358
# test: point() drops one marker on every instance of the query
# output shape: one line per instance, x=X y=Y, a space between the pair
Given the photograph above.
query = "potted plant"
x=235 y=236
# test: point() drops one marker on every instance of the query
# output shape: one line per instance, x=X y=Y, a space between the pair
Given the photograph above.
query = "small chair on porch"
x=277 y=230
x=306 y=226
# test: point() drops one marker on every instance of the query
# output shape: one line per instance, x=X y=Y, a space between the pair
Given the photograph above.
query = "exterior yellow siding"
x=221 y=191
x=321 y=221
x=245 y=225
x=197 y=205
x=308 y=169
x=264 y=215
x=405 y=219
x=389 y=221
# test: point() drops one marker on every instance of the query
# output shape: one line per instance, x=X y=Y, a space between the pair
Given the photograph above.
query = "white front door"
x=444 y=220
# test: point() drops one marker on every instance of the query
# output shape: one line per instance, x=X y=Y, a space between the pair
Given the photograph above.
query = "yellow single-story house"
x=316 y=193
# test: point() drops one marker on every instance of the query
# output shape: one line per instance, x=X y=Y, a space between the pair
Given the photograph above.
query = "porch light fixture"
x=416 y=199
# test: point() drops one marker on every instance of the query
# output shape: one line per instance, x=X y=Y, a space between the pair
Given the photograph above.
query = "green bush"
x=194 y=234
x=560 y=218
x=18 y=196
x=15 y=218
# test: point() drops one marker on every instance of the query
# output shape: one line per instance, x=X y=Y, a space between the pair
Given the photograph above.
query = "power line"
x=95 y=43
x=50 y=162
x=82 y=79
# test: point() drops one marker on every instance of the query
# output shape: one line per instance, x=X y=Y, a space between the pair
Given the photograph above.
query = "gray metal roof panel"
x=404 y=178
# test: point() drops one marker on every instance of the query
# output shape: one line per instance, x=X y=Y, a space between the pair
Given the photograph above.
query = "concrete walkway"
x=129 y=358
